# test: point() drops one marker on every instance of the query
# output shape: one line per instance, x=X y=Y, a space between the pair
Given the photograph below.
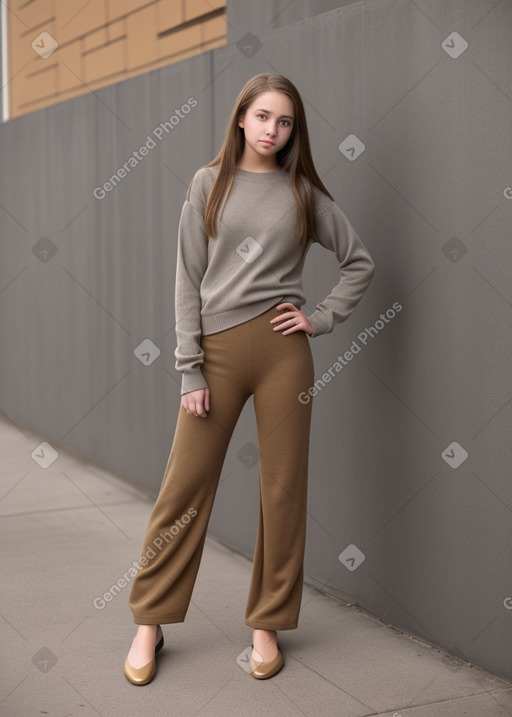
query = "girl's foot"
x=143 y=646
x=266 y=659
x=146 y=643
x=264 y=645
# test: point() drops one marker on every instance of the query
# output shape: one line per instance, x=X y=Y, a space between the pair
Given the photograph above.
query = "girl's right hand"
x=197 y=403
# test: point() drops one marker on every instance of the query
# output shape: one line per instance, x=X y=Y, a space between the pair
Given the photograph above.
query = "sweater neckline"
x=260 y=176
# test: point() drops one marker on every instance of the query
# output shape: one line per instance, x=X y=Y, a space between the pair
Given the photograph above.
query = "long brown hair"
x=295 y=157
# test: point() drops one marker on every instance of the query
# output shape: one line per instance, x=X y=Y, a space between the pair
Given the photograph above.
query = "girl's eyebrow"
x=268 y=112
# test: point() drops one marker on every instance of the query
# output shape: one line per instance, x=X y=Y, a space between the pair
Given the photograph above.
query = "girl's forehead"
x=273 y=99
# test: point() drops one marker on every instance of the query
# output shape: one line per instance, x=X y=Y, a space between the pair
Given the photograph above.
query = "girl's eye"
x=286 y=122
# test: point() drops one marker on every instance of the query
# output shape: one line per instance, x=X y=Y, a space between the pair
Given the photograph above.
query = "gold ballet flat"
x=142 y=675
x=264 y=670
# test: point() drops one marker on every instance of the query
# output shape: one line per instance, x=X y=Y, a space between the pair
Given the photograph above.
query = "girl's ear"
x=241 y=120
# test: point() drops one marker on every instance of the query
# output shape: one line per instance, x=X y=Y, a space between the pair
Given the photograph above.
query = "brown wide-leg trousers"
x=248 y=359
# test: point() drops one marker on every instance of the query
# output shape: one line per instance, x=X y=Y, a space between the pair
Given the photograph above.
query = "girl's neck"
x=259 y=168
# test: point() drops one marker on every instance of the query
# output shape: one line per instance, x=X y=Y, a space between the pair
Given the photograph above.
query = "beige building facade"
x=58 y=49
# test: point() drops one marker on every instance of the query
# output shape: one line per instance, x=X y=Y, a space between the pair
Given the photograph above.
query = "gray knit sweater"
x=255 y=262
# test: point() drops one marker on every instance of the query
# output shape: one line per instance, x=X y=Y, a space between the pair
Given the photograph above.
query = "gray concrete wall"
x=410 y=460
x=246 y=17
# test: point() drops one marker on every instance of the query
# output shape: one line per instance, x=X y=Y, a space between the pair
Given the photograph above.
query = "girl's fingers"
x=293 y=329
x=283 y=317
x=284 y=325
x=198 y=410
x=281 y=307
x=197 y=406
x=292 y=322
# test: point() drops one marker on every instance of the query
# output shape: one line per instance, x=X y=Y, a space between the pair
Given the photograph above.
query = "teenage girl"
x=248 y=220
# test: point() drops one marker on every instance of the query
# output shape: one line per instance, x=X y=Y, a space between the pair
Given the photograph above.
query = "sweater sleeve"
x=192 y=260
x=335 y=233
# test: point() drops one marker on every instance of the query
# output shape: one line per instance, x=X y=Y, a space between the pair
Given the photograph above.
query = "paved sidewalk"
x=71 y=530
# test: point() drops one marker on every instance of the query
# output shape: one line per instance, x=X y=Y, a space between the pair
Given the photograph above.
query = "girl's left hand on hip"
x=292 y=320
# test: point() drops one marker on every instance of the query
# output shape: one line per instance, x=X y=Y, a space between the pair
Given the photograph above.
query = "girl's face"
x=268 y=124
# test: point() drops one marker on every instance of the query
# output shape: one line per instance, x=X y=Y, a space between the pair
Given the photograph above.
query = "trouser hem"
x=261 y=626
x=152 y=620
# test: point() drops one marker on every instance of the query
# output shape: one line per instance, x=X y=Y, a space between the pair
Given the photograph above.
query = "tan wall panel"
x=95 y=39
x=66 y=29
x=214 y=29
x=115 y=30
x=24 y=65
x=180 y=41
x=42 y=84
x=77 y=18
x=34 y=14
x=70 y=71
x=141 y=41
x=170 y=14
x=21 y=53
x=100 y=42
x=195 y=8
x=106 y=61
x=119 y=8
